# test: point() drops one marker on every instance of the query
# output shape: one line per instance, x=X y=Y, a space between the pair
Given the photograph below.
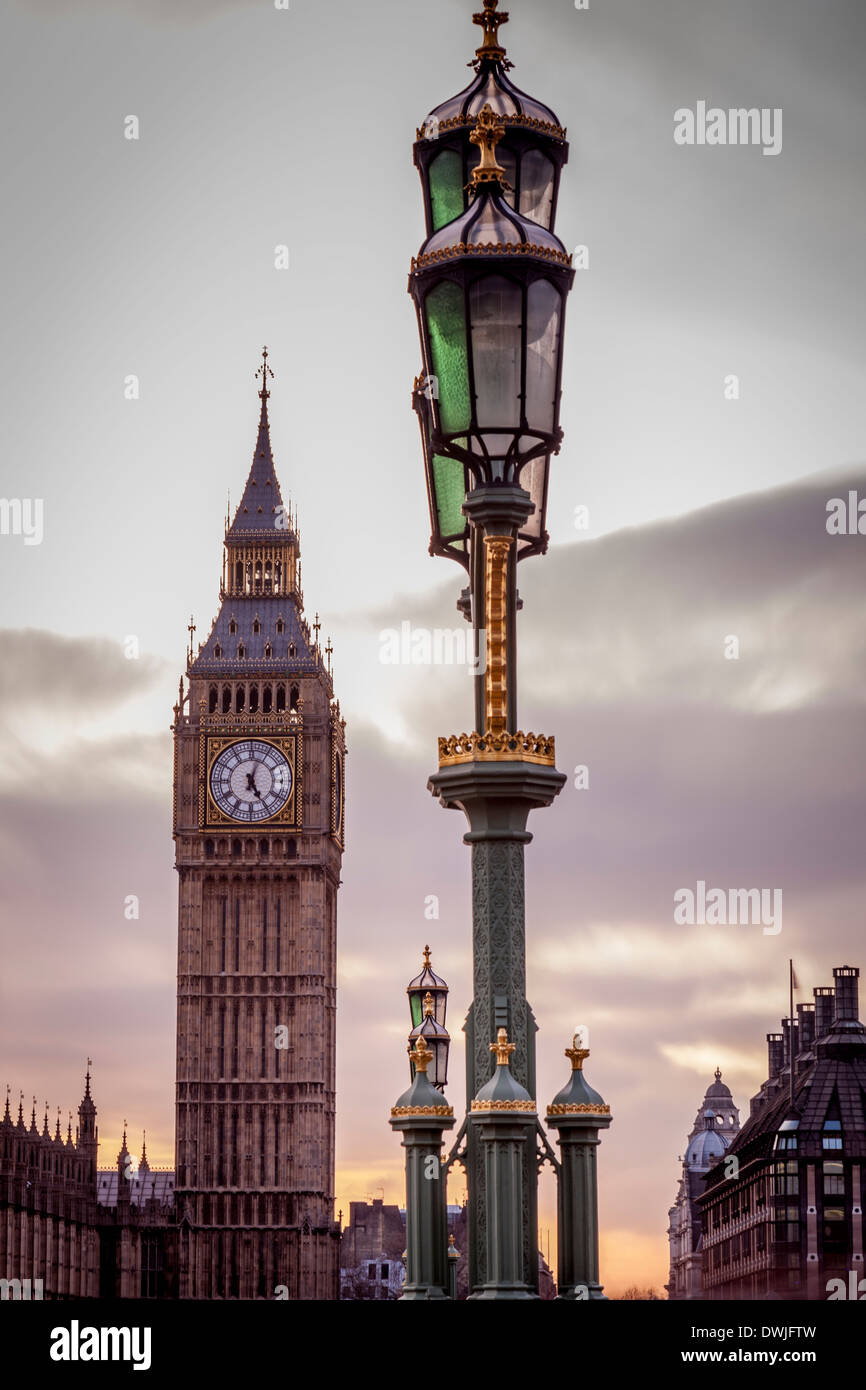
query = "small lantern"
x=437 y=1039
x=490 y=291
x=422 y=985
x=534 y=147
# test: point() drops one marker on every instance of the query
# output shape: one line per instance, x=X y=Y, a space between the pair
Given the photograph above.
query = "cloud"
x=44 y=672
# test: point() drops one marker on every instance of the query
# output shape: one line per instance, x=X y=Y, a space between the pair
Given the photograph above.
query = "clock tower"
x=259 y=755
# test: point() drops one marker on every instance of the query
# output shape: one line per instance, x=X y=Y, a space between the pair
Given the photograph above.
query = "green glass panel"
x=446 y=188
x=450 y=486
x=415 y=1006
x=446 y=325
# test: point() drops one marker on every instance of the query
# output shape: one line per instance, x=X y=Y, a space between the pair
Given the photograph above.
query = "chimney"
x=774 y=1055
x=806 y=1020
x=845 y=978
x=824 y=1008
x=789 y=1039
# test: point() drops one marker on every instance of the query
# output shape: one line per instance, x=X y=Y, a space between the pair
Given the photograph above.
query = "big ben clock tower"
x=258 y=826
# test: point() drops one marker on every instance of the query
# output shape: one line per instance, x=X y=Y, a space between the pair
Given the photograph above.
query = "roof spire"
x=87 y=1095
x=264 y=372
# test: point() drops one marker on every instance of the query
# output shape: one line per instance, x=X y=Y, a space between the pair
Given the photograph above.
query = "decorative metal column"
x=578 y=1113
x=490 y=286
x=422 y=1118
x=503 y=1121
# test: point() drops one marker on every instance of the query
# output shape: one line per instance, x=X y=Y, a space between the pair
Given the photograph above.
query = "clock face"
x=251 y=781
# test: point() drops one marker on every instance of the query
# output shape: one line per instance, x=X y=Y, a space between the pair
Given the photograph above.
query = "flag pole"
x=791 y=1023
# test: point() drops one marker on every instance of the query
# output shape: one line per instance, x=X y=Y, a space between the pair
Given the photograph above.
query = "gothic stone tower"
x=258 y=828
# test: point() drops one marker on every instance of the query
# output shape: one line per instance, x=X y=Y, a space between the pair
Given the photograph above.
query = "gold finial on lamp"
x=488 y=131
x=490 y=21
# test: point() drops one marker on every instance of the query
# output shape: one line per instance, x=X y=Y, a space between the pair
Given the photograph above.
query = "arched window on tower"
x=267 y=576
x=233 y=627
x=208 y=849
x=217 y=651
x=281 y=699
x=239 y=699
x=269 y=651
x=213 y=700
x=258 y=585
x=248 y=578
x=239 y=575
x=242 y=651
x=278 y=577
x=236 y=848
x=281 y=627
x=254 y=699
x=293 y=651
x=295 y=697
x=227 y=699
x=267 y=699
x=257 y=627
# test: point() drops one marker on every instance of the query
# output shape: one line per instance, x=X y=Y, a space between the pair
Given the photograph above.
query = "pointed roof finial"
x=718 y=1073
x=87 y=1095
x=490 y=21
x=421 y=1055
x=426 y=955
x=488 y=131
x=264 y=372
x=502 y=1048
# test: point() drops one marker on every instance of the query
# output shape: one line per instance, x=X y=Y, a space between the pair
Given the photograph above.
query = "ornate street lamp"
x=427 y=982
x=490 y=285
x=437 y=1039
x=534 y=147
x=489 y=290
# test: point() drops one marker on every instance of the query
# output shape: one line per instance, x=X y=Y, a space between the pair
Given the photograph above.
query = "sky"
x=706 y=519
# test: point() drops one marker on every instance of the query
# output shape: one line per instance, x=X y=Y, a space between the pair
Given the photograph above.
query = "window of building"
x=257 y=627
x=371 y=1271
x=832 y=1138
x=281 y=627
x=233 y=628
x=834 y=1178
x=217 y=651
x=385 y=1271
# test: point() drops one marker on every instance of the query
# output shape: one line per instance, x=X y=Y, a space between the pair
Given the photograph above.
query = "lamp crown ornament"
x=502 y=1048
x=422 y=1055
x=577 y=1054
x=490 y=20
x=428 y=1005
x=487 y=134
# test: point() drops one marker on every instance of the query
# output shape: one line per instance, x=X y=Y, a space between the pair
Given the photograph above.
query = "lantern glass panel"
x=446 y=187
x=416 y=1009
x=532 y=479
x=449 y=481
x=536 y=187
x=543 y=314
x=446 y=326
x=495 y=307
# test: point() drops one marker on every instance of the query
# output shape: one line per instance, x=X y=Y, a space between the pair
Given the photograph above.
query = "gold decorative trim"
x=498 y=248
x=422 y=1110
x=523 y=1105
x=578 y=1109
x=497 y=550
x=558 y=132
x=497 y=748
